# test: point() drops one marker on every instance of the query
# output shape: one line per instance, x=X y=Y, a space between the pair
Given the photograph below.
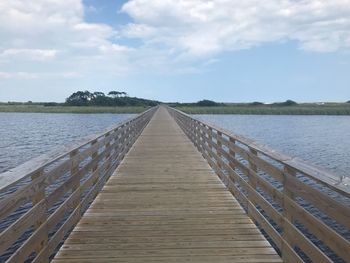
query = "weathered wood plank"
x=165 y=202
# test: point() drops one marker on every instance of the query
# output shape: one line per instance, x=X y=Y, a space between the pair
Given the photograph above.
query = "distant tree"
x=286 y=103
x=98 y=94
x=256 y=103
x=290 y=103
x=85 y=98
x=348 y=101
x=80 y=98
x=207 y=103
x=114 y=94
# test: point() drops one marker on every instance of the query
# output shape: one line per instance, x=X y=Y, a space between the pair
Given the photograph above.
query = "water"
x=24 y=136
x=321 y=140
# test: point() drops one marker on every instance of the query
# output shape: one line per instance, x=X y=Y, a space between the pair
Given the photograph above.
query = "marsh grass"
x=70 y=109
x=300 y=109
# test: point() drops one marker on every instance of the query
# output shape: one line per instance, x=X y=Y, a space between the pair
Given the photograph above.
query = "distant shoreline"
x=244 y=109
x=71 y=109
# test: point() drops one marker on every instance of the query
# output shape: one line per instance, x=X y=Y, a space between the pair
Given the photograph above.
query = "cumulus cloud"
x=51 y=37
x=202 y=27
x=55 y=35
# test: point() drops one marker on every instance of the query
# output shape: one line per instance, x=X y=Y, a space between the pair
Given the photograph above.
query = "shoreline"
x=301 y=109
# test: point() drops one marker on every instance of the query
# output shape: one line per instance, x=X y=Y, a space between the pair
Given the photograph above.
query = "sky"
x=176 y=50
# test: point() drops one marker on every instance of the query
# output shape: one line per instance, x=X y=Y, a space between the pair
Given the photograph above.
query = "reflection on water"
x=27 y=135
x=322 y=140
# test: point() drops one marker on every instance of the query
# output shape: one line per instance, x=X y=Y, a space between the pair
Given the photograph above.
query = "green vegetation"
x=207 y=103
x=114 y=98
x=119 y=102
x=68 y=109
x=85 y=102
x=270 y=109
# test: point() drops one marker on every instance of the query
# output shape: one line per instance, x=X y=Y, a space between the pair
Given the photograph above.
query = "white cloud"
x=202 y=27
x=52 y=39
x=41 y=75
x=32 y=54
x=18 y=75
x=51 y=36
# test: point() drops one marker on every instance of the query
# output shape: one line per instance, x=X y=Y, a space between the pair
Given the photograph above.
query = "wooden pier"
x=165 y=204
x=166 y=187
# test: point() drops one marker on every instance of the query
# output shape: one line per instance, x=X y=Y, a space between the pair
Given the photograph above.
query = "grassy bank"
x=300 y=109
x=70 y=109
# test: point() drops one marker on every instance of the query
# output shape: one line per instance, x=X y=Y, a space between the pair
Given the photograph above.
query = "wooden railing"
x=43 y=199
x=301 y=209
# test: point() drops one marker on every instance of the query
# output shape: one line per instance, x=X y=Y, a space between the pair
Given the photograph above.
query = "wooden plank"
x=165 y=202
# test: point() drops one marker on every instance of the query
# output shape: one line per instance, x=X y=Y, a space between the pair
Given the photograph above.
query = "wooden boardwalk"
x=165 y=204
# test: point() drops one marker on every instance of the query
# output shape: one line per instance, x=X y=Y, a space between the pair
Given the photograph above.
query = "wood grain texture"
x=165 y=204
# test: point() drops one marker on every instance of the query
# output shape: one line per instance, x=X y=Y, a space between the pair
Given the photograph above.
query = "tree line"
x=113 y=98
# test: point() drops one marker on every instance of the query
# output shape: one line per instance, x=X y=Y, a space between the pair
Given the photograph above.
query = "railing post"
x=123 y=140
x=232 y=154
x=219 y=148
x=287 y=192
x=196 y=136
x=74 y=173
x=210 y=138
x=107 y=145
x=94 y=155
x=190 y=129
x=41 y=219
x=253 y=167
x=287 y=214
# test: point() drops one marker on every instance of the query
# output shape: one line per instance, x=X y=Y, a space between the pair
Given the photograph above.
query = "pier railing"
x=302 y=210
x=42 y=200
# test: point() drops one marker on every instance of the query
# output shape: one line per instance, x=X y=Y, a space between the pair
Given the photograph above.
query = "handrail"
x=317 y=173
x=12 y=176
x=303 y=210
x=42 y=199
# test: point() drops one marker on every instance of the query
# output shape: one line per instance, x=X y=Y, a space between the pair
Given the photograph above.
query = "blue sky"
x=176 y=50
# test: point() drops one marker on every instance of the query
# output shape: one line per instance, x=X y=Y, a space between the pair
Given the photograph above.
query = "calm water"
x=27 y=135
x=322 y=140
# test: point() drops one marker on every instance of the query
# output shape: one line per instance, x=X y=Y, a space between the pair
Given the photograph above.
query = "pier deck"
x=165 y=204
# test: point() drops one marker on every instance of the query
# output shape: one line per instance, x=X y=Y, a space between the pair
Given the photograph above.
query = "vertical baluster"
x=287 y=213
x=107 y=145
x=123 y=141
x=74 y=172
x=210 y=139
x=94 y=155
x=219 y=161
x=195 y=132
x=219 y=148
x=253 y=167
x=200 y=136
x=232 y=154
x=41 y=218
